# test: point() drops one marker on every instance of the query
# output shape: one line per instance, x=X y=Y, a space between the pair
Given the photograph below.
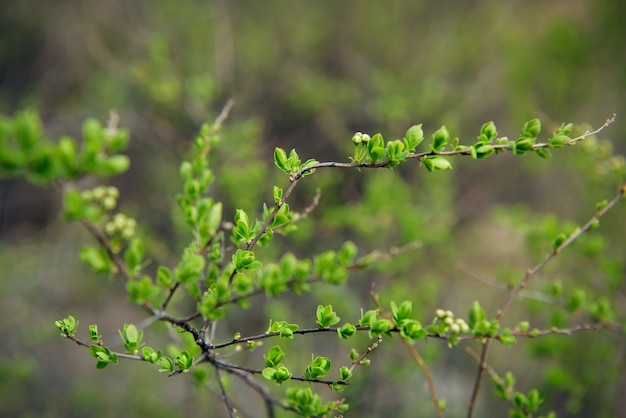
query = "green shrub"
x=233 y=260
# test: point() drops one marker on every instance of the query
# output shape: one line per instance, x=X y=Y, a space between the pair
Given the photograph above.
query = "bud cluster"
x=360 y=137
x=105 y=196
x=121 y=225
x=451 y=325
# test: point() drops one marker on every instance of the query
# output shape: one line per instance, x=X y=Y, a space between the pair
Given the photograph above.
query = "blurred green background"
x=307 y=75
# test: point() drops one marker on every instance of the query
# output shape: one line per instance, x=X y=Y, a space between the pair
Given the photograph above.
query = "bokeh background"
x=307 y=75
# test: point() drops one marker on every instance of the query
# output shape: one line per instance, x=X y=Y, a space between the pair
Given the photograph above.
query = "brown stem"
x=530 y=274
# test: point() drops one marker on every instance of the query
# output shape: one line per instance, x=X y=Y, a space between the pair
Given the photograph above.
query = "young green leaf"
x=274 y=356
x=318 y=368
x=184 y=361
x=488 y=132
x=413 y=137
x=67 y=325
x=131 y=337
x=401 y=313
x=278 y=194
x=167 y=364
x=326 y=317
x=543 y=153
x=440 y=139
x=344 y=374
x=93 y=334
x=346 y=331
x=381 y=326
x=376 y=147
x=142 y=290
x=476 y=315
x=103 y=355
x=436 y=162
x=531 y=128
x=280 y=159
x=97 y=259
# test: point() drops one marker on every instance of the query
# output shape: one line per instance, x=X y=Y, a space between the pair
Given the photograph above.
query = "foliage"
x=228 y=264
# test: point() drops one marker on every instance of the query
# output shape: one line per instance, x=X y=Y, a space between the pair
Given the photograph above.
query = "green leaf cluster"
x=284 y=329
x=67 y=325
x=218 y=272
x=318 y=368
x=325 y=317
x=131 y=337
x=24 y=151
x=291 y=164
x=410 y=329
x=524 y=404
x=478 y=323
x=103 y=355
x=309 y=404
x=275 y=370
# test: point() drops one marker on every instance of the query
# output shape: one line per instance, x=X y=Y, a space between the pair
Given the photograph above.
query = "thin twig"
x=360 y=263
x=261 y=390
x=120 y=355
x=245 y=373
x=366 y=353
x=529 y=274
x=473 y=354
x=227 y=366
x=223 y=114
x=276 y=334
x=418 y=359
x=305 y=213
x=296 y=177
x=169 y=296
x=218 y=375
x=526 y=294
x=117 y=260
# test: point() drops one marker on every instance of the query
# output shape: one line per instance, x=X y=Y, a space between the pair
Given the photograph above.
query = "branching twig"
x=113 y=256
x=276 y=334
x=296 y=177
x=360 y=263
x=530 y=274
x=473 y=354
x=246 y=373
x=120 y=355
x=262 y=391
x=366 y=353
x=227 y=366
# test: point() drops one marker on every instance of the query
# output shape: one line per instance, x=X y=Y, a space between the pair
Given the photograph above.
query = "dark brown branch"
x=218 y=376
x=227 y=366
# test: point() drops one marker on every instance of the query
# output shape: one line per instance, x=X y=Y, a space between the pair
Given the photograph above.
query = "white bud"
x=108 y=203
x=99 y=192
x=120 y=220
x=113 y=192
x=109 y=228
